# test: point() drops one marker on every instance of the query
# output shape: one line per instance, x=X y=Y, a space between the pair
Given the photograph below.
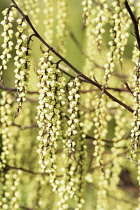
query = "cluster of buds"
x=73 y=130
x=7 y=35
x=73 y=121
x=5 y=120
x=51 y=90
x=80 y=169
x=22 y=62
x=90 y=44
x=87 y=6
x=135 y=132
x=118 y=32
x=101 y=19
x=100 y=131
x=5 y=108
x=73 y=181
x=61 y=31
x=49 y=20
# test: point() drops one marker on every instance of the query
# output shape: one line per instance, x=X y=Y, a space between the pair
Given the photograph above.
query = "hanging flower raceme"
x=120 y=23
x=5 y=111
x=73 y=133
x=101 y=19
x=22 y=62
x=119 y=34
x=73 y=121
x=7 y=36
x=5 y=120
x=74 y=151
x=49 y=20
x=100 y=131
x=138 y=178
x=80 y=169
x=61 y=30
x=33 y=9
x=87 y=5
x=135 y=132
x=51 y=90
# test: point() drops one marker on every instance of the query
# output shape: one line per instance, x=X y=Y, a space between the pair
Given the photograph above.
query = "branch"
x=15 y=90
x=129 y=158
x=25 y=170
x=109 y=140
x=69 y=64
x=81 y=91
x=135 y=23
x=128 y=88
x=108 y=88
x=22 y=169
x=26 y=208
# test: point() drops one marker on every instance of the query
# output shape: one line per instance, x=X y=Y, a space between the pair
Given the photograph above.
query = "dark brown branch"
x=25 y=170
x=22 y=169
x=135 y=23
x=15 y=90
x=71 y=76
x=81 y=91
x=26 y=208
x=108 y=140
x=108 y=88
x=128 y=88
x=69 y=64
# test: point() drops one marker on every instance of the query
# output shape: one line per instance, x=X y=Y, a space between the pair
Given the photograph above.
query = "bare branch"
x=128 y=88
x=135 y=23
x=25 y=170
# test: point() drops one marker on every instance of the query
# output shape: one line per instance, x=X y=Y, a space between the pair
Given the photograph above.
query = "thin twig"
x=15 y=90
x=8 y=167
x=108 y=88
x=26 y=208
x=129 y=158
x=127 y=86
x=81 y=91
x=108 y=140
x=135 y=23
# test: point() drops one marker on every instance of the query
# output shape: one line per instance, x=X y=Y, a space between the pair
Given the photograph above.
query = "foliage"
x=69 y=138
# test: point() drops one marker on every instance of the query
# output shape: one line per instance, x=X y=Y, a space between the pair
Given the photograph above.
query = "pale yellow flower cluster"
x=135 y=132
x=61 y=30
x=7 y=36
x=51 y=90
x=22 y=62
x=49 y=20
x=120 y=23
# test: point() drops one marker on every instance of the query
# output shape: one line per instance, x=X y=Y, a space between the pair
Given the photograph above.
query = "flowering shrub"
x=69 y=138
